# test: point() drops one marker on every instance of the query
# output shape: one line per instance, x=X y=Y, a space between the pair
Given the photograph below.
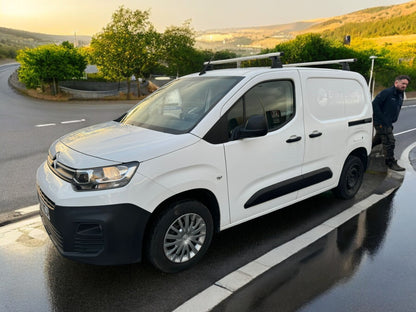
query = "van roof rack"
x=276 y=62
x=344 y=63
x=275 y=57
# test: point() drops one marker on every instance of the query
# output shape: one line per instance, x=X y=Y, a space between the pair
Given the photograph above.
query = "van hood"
x=118 y=142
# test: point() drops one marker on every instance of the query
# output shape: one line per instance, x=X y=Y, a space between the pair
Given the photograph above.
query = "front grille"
x=42 y=197
x=54 y=233
x=62 y=171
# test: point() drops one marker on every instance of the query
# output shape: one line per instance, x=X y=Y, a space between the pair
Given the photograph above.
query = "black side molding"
x=360 y=122
x=289 y=186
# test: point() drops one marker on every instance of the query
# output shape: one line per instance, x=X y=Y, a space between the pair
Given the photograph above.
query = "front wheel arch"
x=180 y=236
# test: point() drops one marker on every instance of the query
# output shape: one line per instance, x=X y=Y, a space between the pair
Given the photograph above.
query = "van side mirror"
x=255 y=126
x=120 y=118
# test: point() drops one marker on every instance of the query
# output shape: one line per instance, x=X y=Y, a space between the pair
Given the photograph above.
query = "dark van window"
x=273 y=99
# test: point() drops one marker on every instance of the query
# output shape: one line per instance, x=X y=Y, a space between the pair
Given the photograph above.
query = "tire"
x=180 y=236
x=351 y=178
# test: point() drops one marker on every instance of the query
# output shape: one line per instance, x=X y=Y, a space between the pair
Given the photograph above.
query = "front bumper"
x=103 y=235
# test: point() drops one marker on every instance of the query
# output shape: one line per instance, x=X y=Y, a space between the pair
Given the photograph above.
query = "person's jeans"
x=384 y=135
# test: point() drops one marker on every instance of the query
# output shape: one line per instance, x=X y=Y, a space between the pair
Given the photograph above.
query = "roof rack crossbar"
x=343 y=62
x=275 y=57
x=276 y=61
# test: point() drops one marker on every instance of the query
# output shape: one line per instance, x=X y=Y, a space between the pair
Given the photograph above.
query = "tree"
x=150 y=56
x=125 y=46
x=49 y=64
x=312 y=47
x=178 y=49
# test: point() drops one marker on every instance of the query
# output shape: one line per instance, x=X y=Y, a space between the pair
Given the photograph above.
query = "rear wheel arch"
x=362 y=154
x=352 y=175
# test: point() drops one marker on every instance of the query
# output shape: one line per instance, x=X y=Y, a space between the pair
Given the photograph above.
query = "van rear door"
x=330 y=101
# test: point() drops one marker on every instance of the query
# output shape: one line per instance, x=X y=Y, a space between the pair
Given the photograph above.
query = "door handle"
x=293 y=138
x=315 y=134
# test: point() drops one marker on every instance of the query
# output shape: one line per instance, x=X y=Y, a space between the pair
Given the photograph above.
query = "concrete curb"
x=18 y=215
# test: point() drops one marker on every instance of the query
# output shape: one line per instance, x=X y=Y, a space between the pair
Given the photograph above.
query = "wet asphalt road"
x=344 y=271
x=365 y=265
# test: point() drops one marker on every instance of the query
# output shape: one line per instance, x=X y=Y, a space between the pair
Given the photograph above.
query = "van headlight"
x=104 y=178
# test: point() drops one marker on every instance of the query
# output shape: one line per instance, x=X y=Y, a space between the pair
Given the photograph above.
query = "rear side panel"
x=338 y=120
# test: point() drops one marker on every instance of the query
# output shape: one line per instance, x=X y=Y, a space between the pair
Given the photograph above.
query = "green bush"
x=49 y=64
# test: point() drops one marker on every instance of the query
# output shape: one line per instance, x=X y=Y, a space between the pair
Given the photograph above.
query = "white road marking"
x=403 y=132
x=46 y=125
x=62 y=123
x=72 y=121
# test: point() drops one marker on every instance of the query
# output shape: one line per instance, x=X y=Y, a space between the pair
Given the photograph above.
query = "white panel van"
x=204 y=153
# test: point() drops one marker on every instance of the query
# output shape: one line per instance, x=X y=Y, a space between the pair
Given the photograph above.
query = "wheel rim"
x=184 y=238
x=353 y=177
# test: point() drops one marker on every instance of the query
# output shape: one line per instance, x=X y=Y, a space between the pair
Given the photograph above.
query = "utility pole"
x=371 y=82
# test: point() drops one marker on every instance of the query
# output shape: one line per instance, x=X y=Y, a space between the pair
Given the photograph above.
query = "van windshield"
x=179 y=106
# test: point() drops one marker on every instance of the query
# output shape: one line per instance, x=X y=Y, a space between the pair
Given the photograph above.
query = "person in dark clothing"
x=386 y=109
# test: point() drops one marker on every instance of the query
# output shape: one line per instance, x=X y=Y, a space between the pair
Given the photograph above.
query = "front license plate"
x=44 y=209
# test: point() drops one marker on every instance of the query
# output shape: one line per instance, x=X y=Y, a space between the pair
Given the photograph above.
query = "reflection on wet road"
x=385 y=280
x=365 y=265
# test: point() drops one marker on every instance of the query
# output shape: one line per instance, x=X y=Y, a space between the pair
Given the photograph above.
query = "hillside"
x=26 y=37
x=363 y=18
x=250 y=39
x=368 y=23
x=12 y=40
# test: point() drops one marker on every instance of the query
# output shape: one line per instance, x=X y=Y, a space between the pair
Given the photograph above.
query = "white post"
x=371 y=83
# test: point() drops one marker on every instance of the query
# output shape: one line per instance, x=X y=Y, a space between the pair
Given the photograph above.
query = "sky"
x=88 y=17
